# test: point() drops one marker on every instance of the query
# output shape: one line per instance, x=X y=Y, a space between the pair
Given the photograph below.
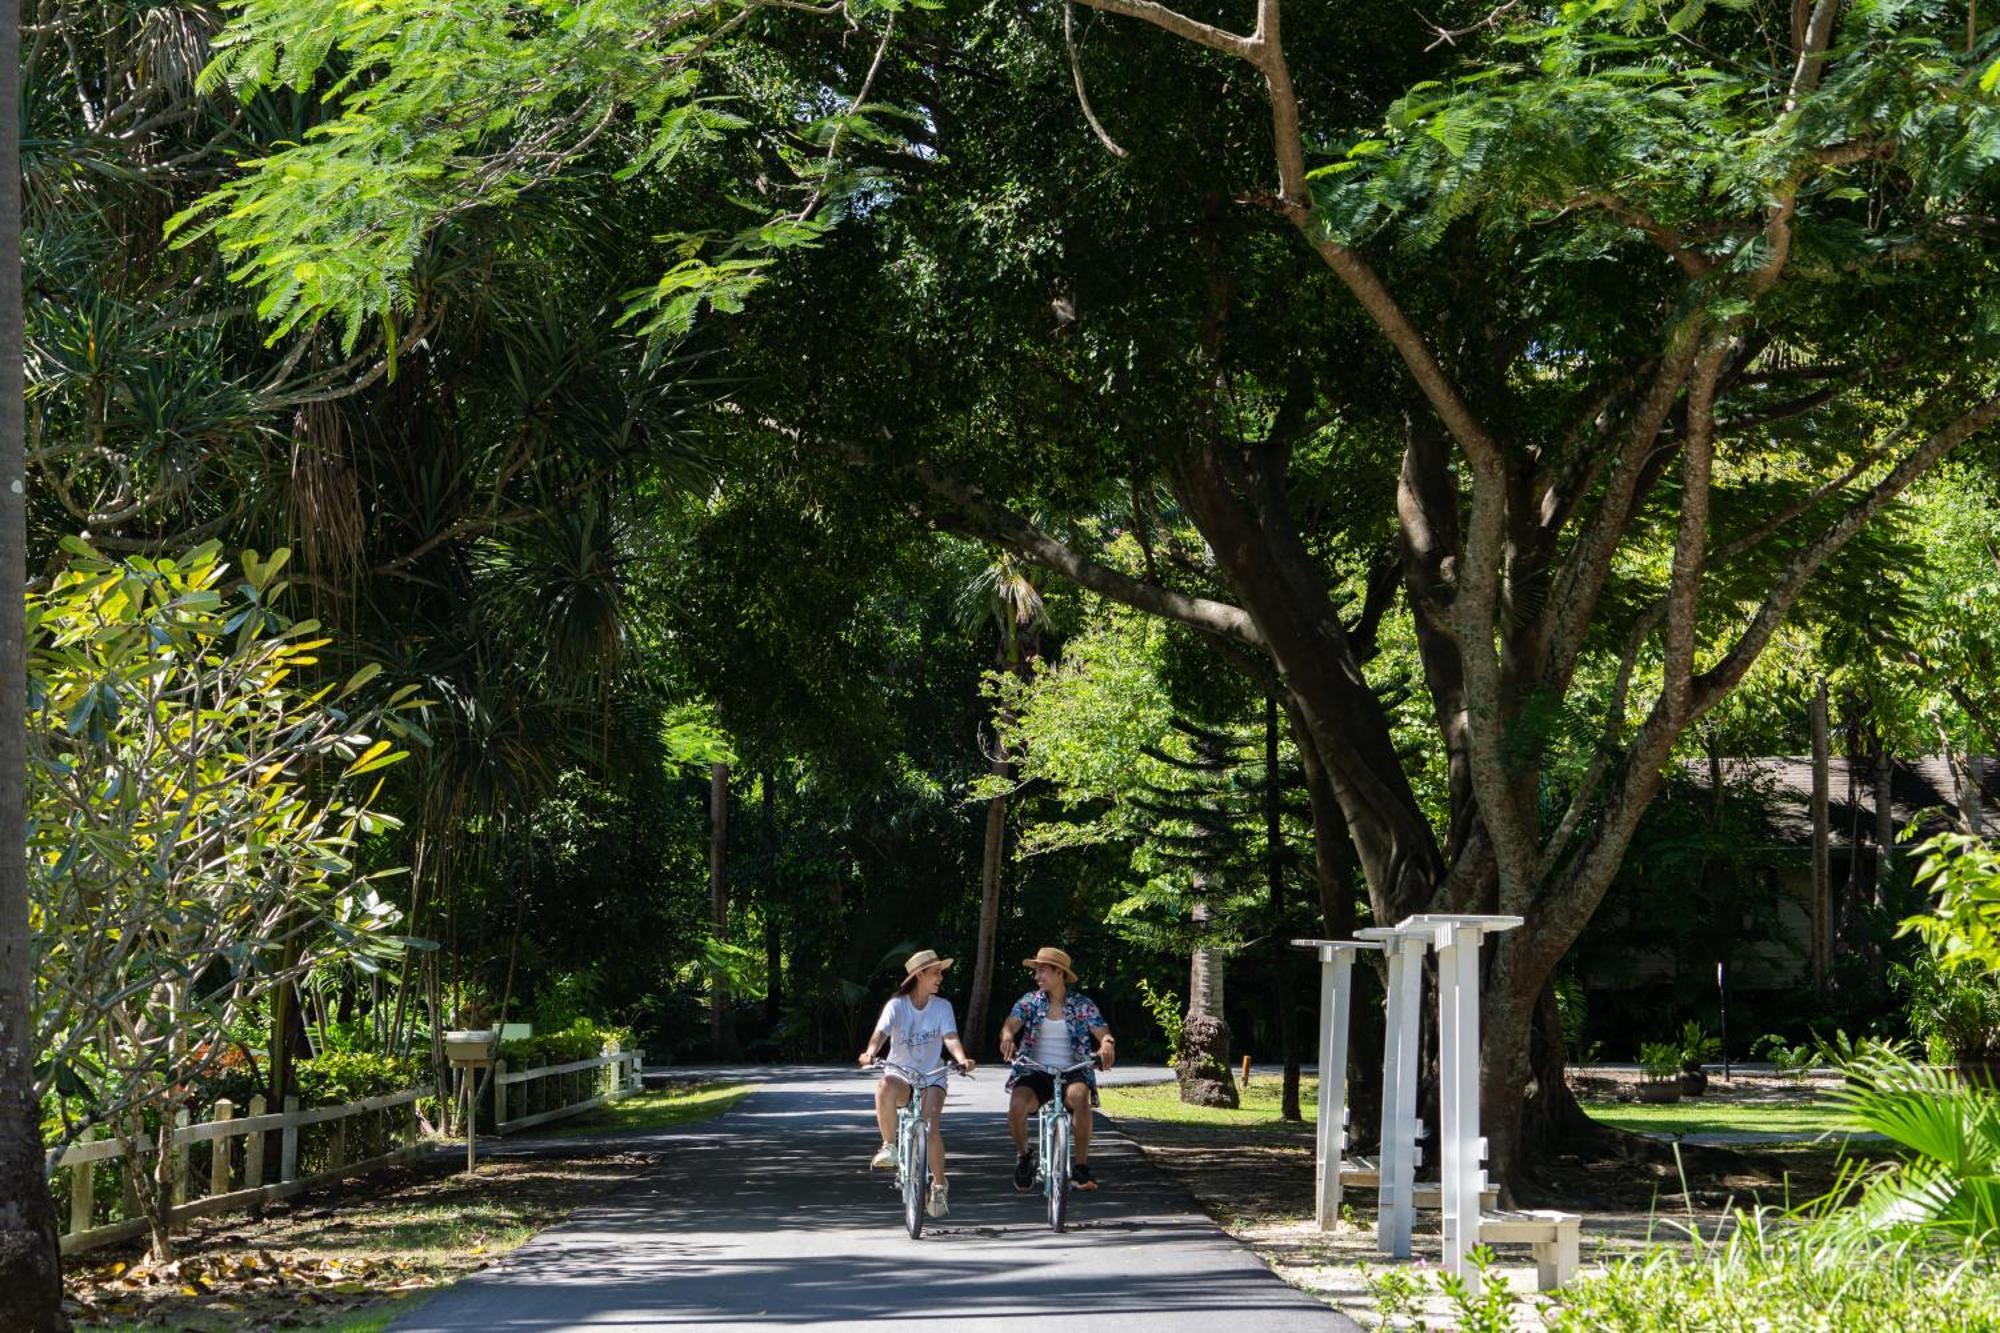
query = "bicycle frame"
x=1054 y=1136
x=912 y=1142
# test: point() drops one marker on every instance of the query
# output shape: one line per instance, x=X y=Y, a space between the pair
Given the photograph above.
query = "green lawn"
x=1261 y=1104
x=669 y=1108
x=1704 y=1115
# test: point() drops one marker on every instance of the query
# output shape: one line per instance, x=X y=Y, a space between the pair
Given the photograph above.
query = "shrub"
x=334 y=1077
x=1953 y=1011
x=1782 y=1278
x=583 y=1039
x=1165 y=1007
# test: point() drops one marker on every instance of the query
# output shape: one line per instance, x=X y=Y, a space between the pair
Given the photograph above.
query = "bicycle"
x=913 y=1134
x=1054 y=1133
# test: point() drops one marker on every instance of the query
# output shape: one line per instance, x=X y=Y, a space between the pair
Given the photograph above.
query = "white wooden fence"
x=231 y=1186
x=556 y=1092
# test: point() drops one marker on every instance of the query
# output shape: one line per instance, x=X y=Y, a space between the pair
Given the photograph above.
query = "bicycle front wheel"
x=1056 y=1172
x=914 y=1175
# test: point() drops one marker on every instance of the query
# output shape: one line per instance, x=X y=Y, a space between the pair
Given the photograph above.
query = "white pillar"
x=1396 y=1212
x=1462 y=1149
x=1336 y=1019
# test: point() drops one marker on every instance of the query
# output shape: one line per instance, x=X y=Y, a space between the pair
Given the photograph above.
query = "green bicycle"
x=913 y=1135
x=1055 y=1133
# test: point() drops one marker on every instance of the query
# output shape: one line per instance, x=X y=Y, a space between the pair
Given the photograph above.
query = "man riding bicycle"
x=1053 y=1026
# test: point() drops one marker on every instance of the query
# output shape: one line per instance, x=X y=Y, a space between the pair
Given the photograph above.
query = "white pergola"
x=1463 y=1195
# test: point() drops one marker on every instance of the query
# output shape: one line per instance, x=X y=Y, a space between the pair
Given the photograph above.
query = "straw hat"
x=922 y=959
x=1054 y=958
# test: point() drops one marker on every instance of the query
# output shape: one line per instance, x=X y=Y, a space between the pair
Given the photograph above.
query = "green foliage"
x=1169 y=1013
x=1776 y=1277
x=1948 y=1188
x=1963 y=873
x=1484 y=1305
x=431 y=117
x=1397 y=1292
x=1698 y=1046
x=1953 y=1011
x=197 y=807
x=1660 y=1061
x=580 y=1040
x=1791 y=1061
x=334 y=1077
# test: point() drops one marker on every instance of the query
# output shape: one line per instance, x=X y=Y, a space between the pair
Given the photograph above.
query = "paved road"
x=768 y=1215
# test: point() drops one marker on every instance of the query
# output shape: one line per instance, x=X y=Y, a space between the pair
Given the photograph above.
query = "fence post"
x=288 y=1151
x=499 y=1095
x=218 y=1149
x=253 y=1148
x=83 y=1189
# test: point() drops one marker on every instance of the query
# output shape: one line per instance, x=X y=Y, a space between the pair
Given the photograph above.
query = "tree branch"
x=1718 y=680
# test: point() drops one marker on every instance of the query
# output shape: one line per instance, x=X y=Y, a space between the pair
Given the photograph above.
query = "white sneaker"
x=884 y=1158
x=938 y=1204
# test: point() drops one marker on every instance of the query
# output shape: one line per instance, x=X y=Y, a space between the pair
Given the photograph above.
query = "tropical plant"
x=1698 y=1046
x=1963 y=874
x=1660 y=1061
x=1788 y=1059
x=1953 y=1011
x=1949 y=1185
x=196 y=810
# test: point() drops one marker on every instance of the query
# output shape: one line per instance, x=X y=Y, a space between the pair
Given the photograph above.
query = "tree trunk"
x=991 y=858
x=721 y=1018
x=1333 y=853
x=1885 y=819
x=774 y=977
x=30 y=1271
x=1822 y=879
x=1274 y=871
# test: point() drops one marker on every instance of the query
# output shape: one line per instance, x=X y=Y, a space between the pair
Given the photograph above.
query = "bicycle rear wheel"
x=1055 y=1172
x=914 y=1175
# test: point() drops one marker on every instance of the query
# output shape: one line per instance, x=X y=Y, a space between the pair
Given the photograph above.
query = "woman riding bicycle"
x=1055 y=1028
x=919 y=1026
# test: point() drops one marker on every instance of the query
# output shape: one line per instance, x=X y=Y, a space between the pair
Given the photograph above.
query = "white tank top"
x=1052 y=1044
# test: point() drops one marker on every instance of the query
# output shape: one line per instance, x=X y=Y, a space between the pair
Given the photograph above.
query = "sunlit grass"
x=1262 y=1104
x=650 y=1112
x=1707 y=1115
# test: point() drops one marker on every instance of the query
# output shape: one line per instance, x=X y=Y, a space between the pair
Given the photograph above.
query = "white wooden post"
x=218 y=1149
x=288 y=1149
x=1396 y=1213
x=1336 y=1020
x=1461 y=1147
x=253 y=1149
x=83 y=1188
x=499 y=1095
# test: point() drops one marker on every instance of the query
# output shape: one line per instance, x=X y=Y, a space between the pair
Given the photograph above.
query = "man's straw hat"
x=1054 y=958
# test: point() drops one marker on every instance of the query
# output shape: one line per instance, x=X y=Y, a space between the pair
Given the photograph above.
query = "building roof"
x=1920 y=787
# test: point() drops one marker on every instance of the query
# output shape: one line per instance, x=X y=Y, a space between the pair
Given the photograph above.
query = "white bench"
x=1553 y=1235
x=1365 y=1173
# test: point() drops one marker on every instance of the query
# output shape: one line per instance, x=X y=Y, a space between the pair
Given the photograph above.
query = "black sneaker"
x=1079 y=1176
x=1024 y=1172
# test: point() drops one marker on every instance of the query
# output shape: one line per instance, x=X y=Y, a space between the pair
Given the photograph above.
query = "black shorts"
x=1044 y=1086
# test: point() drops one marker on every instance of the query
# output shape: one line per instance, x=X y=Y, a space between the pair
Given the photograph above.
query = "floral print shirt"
x=1081 y=1014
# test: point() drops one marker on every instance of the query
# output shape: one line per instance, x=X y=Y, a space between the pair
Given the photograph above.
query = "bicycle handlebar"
x=1062 y=1071
x=910 y=1075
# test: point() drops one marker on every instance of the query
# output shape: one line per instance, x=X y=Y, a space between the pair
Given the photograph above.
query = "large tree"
x=1588 y=338
x=30 y=1273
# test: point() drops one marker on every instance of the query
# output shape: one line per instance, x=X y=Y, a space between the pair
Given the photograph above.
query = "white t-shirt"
x=916 y=1036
